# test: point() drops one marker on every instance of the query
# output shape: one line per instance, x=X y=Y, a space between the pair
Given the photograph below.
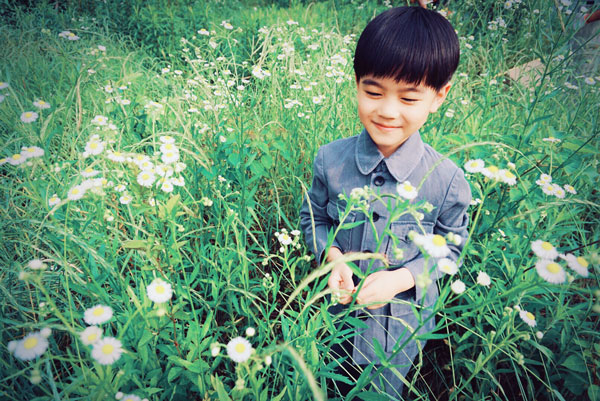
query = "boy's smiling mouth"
x=385 y=127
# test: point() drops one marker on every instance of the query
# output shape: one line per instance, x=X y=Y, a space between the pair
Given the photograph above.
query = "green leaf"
x=575 y=363
x=147 y=335
x=372 y=396
x=173 y=374
x=594 y=392
x=135 y=244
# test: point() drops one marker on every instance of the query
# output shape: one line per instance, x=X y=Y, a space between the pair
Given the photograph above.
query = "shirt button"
x=375 y=216
x=379 y=180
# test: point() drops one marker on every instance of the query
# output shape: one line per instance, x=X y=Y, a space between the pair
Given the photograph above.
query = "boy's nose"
x=389 y=110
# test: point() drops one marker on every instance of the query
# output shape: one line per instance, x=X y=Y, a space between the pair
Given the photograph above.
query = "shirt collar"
x=400 y=163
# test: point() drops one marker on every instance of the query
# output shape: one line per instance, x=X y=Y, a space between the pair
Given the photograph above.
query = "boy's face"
x=392 y=111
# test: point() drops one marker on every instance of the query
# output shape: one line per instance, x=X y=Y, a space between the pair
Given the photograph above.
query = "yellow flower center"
x=169 y=154
x=30 y=343
x=438 y=240
x=493 y=169
x=117 y=153
x=168 y=146
x=108 y=349
x=92 y=337
x=28 y=114
x=408 y=187
x=98 y=312
x=88 y=170
x=530 y=315
x=75 y=191
x=240 y=348
x=16 y=156
x=93 y=145
x=553 y=267
x=160 y=289
x=582 y=261
x=546 y=246
x=509 y=175
x=30 y=150
x=145 y=176
x=41 y=102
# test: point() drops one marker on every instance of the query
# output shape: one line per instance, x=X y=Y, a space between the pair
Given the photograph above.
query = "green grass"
x=248 y=159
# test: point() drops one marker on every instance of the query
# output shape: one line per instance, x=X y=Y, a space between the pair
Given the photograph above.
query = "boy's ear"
x=440 y=96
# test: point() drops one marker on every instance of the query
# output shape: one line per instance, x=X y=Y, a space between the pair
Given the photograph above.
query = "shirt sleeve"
x=314 y=221
x=453 y=217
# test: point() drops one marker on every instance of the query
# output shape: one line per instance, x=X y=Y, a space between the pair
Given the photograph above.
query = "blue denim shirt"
x=354 y=162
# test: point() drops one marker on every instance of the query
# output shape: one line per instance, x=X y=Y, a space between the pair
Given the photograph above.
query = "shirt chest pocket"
x=400 y=230
x=343 y=238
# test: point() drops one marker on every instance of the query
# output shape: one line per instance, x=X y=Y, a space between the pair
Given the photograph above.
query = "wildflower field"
x=154 y=156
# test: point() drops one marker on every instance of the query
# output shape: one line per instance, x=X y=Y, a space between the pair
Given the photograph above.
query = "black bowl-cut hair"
x=409 y=44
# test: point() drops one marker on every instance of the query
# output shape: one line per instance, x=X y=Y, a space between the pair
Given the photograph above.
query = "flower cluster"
x=549 y=269
x=550 y=188
x=286 y=239
x=105 y=350
x=27 y=153
x=491 y=172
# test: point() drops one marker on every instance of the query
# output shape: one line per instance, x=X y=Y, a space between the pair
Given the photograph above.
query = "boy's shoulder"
x=433 y=157
x=339 y=145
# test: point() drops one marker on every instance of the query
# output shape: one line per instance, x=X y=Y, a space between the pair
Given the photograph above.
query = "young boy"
x=403 y=63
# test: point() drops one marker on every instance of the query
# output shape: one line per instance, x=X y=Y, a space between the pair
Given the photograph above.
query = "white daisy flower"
x=578 y=263
x=16 y=159
x=458 y=287
x=54 y=200
x=40 y=104
x=166 y=186
x=543 y=180
x=179 y=181
x=549 y=189
x=169 y=157
x=91 y=335
x=544 y=250
x=179 y=167
x=108 y=89
x=107 y=350
x=447 y=266
x=284 y=239
x=120 y=187
x=36 y=264
x=3 y=160
x=570 y=189
x=100 y=120
x=491 y=172
x=507 y=177
x=474 y=166
x=559 y=192
x=146 y=165
x=98 y=314
x=32 y=151
x=139 y=159
x=4 y=85
x=76 y=192
x=550 y=271
x=159 y=291
x=168 y=147
x=435 y=245
x=406 y=190
x=29 y=116
x=94 y=147
x=115 y=156
x=206 y=201
x=89 y=172
x=125 y=199
x=30 y=347
x=167 y=139
x=483 y=279
x=528 y=318
x=239 y=349
x=146 y=178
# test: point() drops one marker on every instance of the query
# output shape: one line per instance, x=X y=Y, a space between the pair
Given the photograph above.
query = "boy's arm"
x=316 y=225
x=453 y=217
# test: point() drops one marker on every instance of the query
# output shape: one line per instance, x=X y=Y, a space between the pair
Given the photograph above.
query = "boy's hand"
x=383 y=286
x=341 y=279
